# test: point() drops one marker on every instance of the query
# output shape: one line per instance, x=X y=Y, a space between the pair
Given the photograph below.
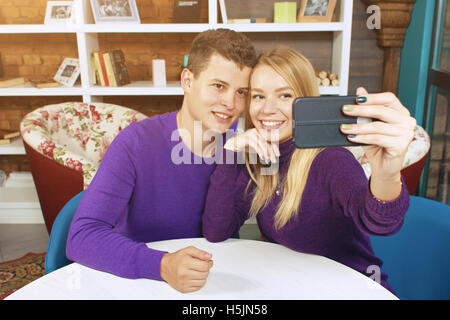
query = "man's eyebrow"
x=226 y=83
x=220 y=81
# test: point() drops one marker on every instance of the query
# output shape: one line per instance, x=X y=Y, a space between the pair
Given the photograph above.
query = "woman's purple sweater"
x=335 y=219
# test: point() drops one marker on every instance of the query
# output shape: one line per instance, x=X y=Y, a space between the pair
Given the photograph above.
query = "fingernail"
x=348 y=107
x=352 y=136
x=346 y=126
x=361 y=99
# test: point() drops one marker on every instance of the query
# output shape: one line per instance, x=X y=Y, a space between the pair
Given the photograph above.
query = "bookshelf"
x=19 y=204
x=86 y=32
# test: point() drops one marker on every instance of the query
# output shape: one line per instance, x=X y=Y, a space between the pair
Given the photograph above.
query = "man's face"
x=217 y=95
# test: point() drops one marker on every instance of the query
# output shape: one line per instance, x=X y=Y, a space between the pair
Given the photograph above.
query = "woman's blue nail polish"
x=352 y=136
x=361 y=99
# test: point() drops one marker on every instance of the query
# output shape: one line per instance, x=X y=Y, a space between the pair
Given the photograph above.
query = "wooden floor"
x=16 y=240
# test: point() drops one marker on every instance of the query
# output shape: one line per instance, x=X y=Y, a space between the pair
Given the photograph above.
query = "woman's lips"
x=271 y=124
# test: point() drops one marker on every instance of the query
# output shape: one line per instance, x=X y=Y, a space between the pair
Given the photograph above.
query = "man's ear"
x=186 y=79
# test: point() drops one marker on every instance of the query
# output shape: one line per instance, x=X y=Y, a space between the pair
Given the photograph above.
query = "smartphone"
x=317 y=121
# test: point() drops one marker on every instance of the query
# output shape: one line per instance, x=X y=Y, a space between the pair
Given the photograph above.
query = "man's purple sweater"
x=141 y=193
x=335 y=219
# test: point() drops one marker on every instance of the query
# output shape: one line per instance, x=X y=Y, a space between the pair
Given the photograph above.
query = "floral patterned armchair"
x=65 y=144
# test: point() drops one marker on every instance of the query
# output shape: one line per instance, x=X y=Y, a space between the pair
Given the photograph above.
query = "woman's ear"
x=186 y=79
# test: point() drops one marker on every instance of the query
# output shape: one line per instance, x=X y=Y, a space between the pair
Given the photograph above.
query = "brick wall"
x=38 y=56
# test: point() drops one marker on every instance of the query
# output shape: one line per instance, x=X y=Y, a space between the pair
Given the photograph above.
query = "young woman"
x=319 y=201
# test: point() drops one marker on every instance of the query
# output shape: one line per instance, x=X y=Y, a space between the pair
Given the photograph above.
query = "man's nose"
x=227 y=100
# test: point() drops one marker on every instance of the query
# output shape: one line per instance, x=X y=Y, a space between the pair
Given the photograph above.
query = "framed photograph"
x=68 y=72
x=60 y=12
x=316 y=10
x=115 y=11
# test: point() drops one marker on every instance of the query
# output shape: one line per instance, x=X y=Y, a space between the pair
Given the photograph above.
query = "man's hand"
x=186 y=270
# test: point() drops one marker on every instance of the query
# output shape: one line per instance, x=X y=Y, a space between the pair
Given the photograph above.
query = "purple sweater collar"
x=286 y=149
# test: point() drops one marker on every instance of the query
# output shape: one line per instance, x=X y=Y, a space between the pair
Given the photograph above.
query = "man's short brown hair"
x=229 y=44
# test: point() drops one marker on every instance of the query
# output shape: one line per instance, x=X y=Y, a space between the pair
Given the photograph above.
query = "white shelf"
x=285 y=27
x=195 y=28
x=169 y=28
x=18 y=197
x=19 y=202
x=37 y=28
x=15 y=147
x=143 y=88
x=27 y=89
x=147 y=28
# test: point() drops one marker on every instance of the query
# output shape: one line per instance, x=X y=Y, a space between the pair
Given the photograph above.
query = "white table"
x=243 y=270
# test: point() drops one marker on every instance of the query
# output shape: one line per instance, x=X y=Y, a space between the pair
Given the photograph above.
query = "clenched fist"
x=186 y=270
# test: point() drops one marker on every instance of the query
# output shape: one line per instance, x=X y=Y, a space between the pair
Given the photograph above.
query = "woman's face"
x=271 y=104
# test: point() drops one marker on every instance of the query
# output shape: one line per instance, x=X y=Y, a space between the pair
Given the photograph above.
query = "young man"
x=140 y=194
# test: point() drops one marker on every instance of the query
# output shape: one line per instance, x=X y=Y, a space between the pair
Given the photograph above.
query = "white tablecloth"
x=243 y=270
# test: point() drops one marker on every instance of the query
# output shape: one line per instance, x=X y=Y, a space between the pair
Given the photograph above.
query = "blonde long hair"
x=298 y=72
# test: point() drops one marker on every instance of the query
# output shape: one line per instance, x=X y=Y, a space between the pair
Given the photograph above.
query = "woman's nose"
x=269 y=106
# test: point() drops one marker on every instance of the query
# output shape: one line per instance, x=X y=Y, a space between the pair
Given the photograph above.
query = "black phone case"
x=317 y=121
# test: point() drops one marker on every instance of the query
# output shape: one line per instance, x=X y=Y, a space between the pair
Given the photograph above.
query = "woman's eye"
x=218 y=86
x=257 y=97
x=286 y=95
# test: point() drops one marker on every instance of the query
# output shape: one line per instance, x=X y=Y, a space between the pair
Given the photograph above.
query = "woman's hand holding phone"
x=387 y=138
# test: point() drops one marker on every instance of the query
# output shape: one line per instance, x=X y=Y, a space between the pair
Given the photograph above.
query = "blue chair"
x=417 y=258
x=56 y=251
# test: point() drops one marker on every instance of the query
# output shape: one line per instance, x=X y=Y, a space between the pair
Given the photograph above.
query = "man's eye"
x=242 y=93
x=218 y=86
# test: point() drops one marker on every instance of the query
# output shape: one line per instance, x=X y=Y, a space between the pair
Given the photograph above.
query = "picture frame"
x=115 y=11
x=60 y=12
x=316 y=10
x=68 y=72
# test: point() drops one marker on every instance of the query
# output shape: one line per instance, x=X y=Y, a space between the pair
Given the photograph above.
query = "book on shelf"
x=11 y=82
x=98 y=71
x=103 y=68
x=45 y=84
x=119 y=67
x=285 y=12
x=6 y=136
x=110 y=68
x=187 y=11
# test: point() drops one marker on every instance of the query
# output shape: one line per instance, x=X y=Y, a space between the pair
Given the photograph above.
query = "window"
x=437 y=111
